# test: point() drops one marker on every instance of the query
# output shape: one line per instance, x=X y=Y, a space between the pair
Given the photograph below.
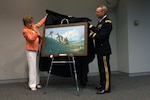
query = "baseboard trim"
x=14 y=80
x=139 y=74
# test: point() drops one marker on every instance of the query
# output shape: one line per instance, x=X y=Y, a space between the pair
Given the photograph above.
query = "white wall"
x=139 y=36
x=133 y=41
x=13 y=62
x=122 y=36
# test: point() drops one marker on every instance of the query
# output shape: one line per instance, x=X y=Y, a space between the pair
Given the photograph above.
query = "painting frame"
x=65 y=39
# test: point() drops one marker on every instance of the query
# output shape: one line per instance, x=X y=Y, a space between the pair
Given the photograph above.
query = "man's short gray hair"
x=104 y=8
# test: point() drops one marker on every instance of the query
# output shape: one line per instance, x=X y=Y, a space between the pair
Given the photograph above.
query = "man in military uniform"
x=101 y=34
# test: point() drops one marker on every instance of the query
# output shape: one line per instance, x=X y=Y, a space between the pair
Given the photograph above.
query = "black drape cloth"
x=81 y=62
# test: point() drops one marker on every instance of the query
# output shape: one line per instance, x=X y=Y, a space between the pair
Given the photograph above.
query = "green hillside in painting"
x=52 y=46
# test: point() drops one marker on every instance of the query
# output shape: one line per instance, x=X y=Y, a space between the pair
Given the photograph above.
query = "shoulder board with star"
x=107 y=21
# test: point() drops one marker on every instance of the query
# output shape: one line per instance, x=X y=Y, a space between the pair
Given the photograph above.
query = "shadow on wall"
x=110 y=3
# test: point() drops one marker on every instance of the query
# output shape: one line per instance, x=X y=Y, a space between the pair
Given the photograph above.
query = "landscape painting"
x=65 y=39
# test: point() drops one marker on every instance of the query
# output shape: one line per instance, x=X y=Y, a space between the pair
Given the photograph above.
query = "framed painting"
x=65 y=39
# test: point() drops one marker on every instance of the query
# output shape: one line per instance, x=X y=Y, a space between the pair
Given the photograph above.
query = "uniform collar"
x=102 y=18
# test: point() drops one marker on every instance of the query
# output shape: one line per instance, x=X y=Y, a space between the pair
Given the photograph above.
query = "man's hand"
x=90 y=34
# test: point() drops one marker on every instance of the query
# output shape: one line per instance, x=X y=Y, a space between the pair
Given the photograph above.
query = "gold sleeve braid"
x=93 y=35
x=91 y=26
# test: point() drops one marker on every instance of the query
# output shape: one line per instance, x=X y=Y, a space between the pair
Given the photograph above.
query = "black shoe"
x=99 y=87
x=102 y=92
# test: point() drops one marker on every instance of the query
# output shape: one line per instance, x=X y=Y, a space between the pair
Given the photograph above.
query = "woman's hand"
x=46 y=15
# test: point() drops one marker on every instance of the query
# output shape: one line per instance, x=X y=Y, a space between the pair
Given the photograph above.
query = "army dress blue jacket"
x=101 y=34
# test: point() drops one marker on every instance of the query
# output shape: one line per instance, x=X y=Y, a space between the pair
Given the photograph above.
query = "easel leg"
x=49 y=73
x=70 y=68
x=75 y=72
